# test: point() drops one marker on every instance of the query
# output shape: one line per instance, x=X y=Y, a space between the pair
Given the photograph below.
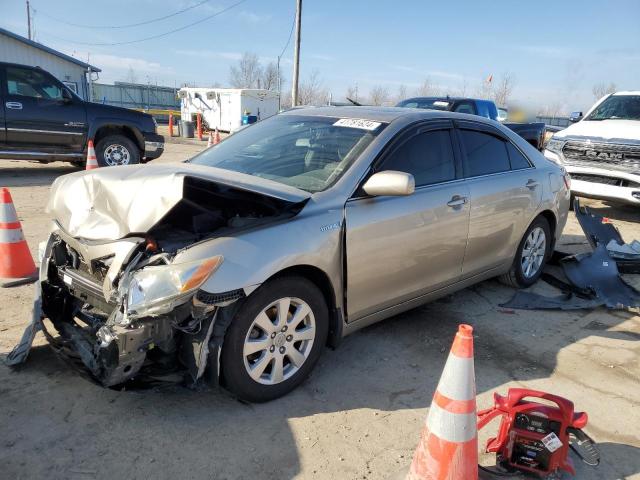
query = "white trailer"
x=223 y=108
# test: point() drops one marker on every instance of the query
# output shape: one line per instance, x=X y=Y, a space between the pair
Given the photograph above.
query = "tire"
x=115 y=150
x=236 y=362
x=517 y=276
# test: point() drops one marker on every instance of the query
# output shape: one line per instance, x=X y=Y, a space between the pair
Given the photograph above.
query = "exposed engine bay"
x=126 y=306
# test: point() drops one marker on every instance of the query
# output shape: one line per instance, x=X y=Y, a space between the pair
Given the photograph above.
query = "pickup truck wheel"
x=114 y=150
x=275 y=339
x=531 y=256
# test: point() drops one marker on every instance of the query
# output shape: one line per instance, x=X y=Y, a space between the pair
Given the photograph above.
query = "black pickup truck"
x=41 y=119
x=531 y=132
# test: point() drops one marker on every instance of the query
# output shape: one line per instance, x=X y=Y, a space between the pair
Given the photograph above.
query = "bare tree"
x=503 y=89
x=427 y=88
x=270 y=77
x=402 y=93
x=352 y=92
x=311 y=91
x=601 y=89
x=131 y=76
x=379 y=95
x=247 y=73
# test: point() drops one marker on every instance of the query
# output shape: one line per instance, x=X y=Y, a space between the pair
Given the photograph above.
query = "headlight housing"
x=555 y=145
x=156 y=290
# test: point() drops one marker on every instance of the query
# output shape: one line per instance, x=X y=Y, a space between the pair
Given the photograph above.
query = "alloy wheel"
x=279 y=341
x=533 y=252
x=116 y=154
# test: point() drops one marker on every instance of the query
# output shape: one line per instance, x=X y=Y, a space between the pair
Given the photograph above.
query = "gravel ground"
x=357 y=417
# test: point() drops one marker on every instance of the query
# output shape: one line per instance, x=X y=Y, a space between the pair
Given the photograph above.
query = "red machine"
x=534 y=436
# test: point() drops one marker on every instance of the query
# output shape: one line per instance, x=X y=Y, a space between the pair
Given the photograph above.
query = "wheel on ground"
x=531 y=256
x=275 y=339
x=114 y=150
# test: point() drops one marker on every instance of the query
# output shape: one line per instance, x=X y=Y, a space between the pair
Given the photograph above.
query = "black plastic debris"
x=532 y=301
x=597 y=271
x=596 y=229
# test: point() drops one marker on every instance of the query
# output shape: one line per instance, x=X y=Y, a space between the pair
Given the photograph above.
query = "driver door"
x=399 y=248
x=37 y=114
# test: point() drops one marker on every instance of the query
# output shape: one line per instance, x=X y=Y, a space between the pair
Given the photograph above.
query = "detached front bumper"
x=153 y=146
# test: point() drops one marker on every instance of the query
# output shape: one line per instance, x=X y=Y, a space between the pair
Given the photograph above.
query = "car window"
x=485 y=153
x=32 y=83
x=427 y=156
x=307 y=152
x=518 y=160
x=465 y=107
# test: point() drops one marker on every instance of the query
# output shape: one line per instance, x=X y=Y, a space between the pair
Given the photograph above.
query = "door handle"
x=13 y=105
x=532 y=184
x=457 y=201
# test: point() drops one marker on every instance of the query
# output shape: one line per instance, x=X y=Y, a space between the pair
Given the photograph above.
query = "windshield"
x=307 y=152
x=617 y=107
x=426 y=103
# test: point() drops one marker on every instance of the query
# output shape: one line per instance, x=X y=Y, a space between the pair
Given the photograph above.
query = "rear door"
x=399 y=248
x=504 y=194
x=39 y=115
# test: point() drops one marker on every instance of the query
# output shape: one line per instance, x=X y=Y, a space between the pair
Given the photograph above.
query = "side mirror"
x=390 y=183
x=575 y=117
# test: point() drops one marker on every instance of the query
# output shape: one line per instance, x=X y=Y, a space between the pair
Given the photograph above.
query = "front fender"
x=114 y=122
x=251 y=258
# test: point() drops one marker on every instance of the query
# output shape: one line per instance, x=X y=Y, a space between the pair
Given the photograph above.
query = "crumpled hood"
x=111 y=203
x=604 y=130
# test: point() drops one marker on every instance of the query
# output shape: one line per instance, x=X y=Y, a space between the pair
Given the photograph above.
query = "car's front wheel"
x=531 y=256
x=114 y=150
x=275 y=339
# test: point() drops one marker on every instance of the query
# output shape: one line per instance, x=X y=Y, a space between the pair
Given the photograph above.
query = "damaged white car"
x=242 y=264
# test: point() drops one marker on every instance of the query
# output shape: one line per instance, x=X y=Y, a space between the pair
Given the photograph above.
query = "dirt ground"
x=359 y=414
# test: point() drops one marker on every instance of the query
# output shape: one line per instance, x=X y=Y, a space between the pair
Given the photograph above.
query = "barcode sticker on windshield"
x=357 y=123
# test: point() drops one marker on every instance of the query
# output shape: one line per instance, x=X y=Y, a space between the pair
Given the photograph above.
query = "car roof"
x=378 y=114
x=627 y=92
x=446 y=98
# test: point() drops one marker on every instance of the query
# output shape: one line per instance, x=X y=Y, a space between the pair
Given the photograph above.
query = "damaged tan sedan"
x=240 y=265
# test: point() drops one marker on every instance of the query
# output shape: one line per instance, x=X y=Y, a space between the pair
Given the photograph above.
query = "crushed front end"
x=123 y=307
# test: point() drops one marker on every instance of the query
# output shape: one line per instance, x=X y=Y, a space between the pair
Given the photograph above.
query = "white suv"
x=602 y=150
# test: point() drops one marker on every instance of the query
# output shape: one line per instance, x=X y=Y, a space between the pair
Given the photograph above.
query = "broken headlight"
x=159 y=289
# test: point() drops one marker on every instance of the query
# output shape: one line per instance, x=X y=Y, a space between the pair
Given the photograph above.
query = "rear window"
x=485 y=154
x=518 y=160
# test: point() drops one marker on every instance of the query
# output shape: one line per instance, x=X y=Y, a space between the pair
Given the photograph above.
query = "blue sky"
x=556 y=50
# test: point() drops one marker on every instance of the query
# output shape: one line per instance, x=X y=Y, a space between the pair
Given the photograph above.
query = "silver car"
x=240 y=265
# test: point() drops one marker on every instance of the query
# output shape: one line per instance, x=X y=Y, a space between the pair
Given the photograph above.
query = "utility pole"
x=29 y=20
x=296 y=56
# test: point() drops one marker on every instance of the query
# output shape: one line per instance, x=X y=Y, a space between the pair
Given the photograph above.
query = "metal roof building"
x=72 y=72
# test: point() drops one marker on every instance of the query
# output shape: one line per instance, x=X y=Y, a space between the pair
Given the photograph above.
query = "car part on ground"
x=593 y=279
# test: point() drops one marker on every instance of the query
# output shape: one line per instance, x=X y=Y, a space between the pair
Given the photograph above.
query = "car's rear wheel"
x=114 y=150
x=275 y=339
x=531 y=256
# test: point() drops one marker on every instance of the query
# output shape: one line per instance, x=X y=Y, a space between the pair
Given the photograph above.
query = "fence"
x=555 y=121
x=136 y=95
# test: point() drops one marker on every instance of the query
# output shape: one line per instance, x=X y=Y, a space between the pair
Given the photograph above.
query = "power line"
x=153 y=37
x=293 y=24
x=129 y=25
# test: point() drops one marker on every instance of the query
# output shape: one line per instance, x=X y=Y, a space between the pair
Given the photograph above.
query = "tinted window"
x=427 y=156
x=518 y=160
x=465 y=108
x=32 y=83
x=485 y=153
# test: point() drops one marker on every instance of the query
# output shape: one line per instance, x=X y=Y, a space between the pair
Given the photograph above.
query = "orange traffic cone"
x=16 y=263
x=448 y=447
x=210 y=141
x=92 y=161
x=216 y=139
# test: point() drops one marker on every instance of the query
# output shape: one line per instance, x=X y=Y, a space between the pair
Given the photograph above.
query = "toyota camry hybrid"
x=240 y=265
